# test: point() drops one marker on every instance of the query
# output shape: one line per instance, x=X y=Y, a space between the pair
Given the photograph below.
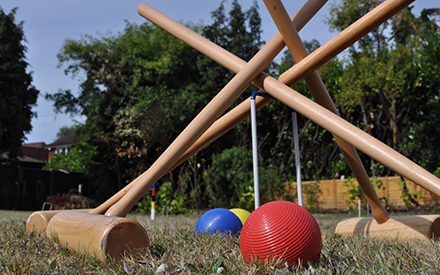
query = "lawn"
x=174 y=247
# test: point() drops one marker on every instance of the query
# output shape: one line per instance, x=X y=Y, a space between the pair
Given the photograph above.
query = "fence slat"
x=334 y=193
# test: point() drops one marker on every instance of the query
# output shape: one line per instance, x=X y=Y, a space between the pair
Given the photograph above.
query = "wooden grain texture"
x=98 y=235
x=38 y=220
x=322 y=97
x=334 y=193
x=401 y=228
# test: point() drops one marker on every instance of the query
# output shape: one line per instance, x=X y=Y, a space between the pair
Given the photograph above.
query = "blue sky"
x=47 y=23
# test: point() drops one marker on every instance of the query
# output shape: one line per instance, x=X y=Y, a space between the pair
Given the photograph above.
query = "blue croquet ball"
x=218 y=220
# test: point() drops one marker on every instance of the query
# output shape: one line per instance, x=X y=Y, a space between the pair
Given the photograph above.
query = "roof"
x=34 y=144
x=22 y=158
x=66 y=140
x=41 y=154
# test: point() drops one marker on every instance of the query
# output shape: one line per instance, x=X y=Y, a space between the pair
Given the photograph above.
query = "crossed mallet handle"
x=346 y=133
x=112 y=235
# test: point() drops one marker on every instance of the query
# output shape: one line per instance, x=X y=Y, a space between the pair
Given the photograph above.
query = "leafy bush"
x=230 y=181
x=165 y=197
x=408 y=197
x=354 y=192
x=80 y=159
x=311 y=192
x=229 y=178
x=274 y=184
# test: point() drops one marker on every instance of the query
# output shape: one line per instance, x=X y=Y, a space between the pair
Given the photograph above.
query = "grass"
x=174 y=244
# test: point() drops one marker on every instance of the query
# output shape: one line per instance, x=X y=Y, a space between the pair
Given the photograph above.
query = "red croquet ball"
x=283 y=231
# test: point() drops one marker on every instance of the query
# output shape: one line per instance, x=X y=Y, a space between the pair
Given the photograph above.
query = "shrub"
x=354 y=192
x=229 y=177
x=165 y=197
x=230 y=181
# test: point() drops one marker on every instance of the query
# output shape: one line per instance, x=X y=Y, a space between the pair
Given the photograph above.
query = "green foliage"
x=80 y=159
x=311 y=192
x=377 y=93
x=134 y=97
x=344 y=13
x=65 y=130
x=229 y=177
x=274 y=184
x=17 y=94
x=230 y=181
x=247 y=198
x=409 y=198
x=378 y=185
x=239 y=32
x=385 y=88
x=142 y=87
x=354 y=192
x=422 y=101
x=165 y=197
x=318 y=150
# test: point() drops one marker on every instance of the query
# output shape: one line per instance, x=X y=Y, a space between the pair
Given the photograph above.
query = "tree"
x=65 y=130
x=16 y=91
x=319 y=154
x=143 y=87
x=80 y=159
x=344 y=13
x=240 y=34
x=381 y=80
x=422 y=101
x=140 y=91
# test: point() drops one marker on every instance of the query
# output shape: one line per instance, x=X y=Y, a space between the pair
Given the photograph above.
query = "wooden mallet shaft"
x=319 y=57
x=402 y=228
x=239 y=113
x=234 y=63
x=387 y=9
x=197 y=127
x=322 y=97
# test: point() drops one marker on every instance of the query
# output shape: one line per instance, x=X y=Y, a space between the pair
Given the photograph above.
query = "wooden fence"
x=334 y=194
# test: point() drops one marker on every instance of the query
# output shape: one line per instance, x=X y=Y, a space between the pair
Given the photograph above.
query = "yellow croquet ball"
x=241 y=214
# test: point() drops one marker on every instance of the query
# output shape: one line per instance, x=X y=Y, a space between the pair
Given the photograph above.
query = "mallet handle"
x=198 y=125
x=239 y=113
x=366 y=24
x=320 y=93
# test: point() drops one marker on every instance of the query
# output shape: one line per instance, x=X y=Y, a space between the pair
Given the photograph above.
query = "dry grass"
x=174 y=245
